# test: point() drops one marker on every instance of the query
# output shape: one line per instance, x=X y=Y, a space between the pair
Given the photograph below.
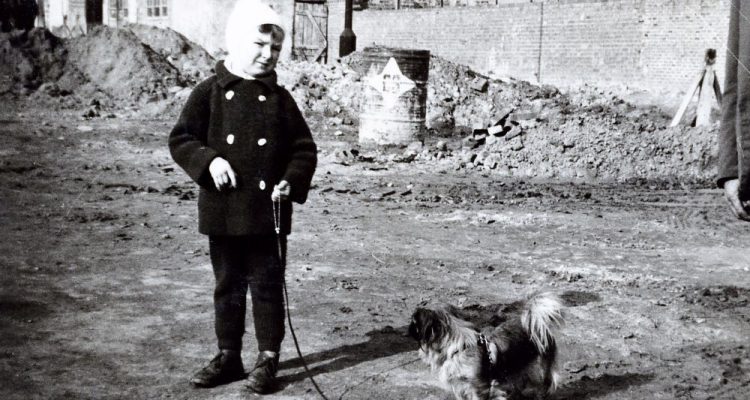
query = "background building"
x=201 y=21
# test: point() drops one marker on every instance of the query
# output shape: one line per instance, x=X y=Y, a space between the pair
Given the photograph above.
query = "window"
x=156 y=8
x=118 y=7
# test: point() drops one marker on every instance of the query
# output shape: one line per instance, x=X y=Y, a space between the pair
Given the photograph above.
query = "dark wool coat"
x=256 y=126
x=734 y=135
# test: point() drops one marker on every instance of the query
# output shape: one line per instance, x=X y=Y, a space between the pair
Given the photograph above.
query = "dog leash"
x=282 y=261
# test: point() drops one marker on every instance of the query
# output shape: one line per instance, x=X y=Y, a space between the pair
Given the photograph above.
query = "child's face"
x=261 y=55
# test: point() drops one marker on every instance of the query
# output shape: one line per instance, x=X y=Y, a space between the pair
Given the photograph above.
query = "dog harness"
x=488 y=348
x=489 y=356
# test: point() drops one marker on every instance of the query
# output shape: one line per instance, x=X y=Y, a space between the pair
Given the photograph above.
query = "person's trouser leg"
x=266 y=290
x=231 y=273
x=727 y=167
x=743 y=99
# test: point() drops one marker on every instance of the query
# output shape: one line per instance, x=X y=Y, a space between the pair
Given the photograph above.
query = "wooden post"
x=707 y=83
x=686 y=101
x=703 y=113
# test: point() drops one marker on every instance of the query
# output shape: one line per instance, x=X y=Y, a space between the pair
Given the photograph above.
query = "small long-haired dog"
x=518 y=354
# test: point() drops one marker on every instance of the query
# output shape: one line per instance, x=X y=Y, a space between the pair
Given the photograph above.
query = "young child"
x=242 y=138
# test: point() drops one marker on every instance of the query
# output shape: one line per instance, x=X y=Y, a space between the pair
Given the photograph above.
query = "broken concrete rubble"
x=480 y=84
x=591 y=129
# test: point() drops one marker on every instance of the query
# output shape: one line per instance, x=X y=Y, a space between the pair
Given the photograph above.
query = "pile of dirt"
x=192 y=61
x=29 y=60
x=116 y=61
x=107 y=68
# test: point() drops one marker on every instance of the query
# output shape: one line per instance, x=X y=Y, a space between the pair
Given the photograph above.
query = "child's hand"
x=222 y=173
x=281 y=191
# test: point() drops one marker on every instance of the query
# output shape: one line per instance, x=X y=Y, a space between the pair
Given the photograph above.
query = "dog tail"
x=541 y=319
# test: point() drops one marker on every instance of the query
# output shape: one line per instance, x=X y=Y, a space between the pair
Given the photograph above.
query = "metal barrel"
x=394 y=106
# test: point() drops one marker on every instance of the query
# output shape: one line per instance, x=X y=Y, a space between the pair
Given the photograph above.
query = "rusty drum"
x=394 y=106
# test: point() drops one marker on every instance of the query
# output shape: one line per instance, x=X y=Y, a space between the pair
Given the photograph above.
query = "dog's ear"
x=425 y=326
x=416 y=323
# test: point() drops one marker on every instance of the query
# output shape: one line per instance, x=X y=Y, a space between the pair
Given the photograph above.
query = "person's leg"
x=230 y=271
x=743 y=100
x=728 y=131
x=230 y=294
x=266 y=290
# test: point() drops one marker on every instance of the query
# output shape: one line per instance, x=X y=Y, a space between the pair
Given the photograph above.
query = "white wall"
x=203 y=21
x=54 y=11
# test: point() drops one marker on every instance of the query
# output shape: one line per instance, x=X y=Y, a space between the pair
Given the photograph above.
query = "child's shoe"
x=224 y=368
x=262 y=378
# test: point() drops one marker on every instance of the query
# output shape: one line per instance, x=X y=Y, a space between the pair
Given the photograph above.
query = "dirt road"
x=105 y=290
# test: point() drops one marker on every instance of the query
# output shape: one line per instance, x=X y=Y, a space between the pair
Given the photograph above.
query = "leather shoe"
x=262 y=379
x=224 y=368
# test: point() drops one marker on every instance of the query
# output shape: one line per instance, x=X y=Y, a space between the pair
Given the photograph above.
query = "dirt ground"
x=106 y=285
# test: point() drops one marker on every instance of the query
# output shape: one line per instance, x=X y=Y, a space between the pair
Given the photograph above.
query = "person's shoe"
x=262 y=378
x=224 y=368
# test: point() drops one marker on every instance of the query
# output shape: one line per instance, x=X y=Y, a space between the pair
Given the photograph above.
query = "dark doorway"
x=94 y=12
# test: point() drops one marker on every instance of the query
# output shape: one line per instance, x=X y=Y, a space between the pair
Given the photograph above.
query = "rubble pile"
x=475 y=122
x=29 y=60
x=118 y=63
x=107 y=68
x=192 y=61
x=517 y=128
x=461 y=98
x=331 y=91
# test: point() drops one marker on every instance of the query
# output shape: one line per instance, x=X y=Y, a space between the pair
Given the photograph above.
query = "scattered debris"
x=584 y=133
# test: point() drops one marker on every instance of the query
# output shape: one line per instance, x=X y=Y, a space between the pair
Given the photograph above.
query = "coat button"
x=230 y=138
x=262 y=141
x=229 y=95
x=262 y=185
x=261 y=98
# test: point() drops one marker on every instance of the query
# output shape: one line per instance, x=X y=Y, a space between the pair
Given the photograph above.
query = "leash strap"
x=484 y=350
x=486 y=346
x=282 y=261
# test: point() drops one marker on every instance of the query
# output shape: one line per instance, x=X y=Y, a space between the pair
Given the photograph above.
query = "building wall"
x=201 y=21
x=654 y=44
x=59 y=13
x=53 y=12
x=130 y=18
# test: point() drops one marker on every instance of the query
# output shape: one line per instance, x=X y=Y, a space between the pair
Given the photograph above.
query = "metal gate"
x=310 y=31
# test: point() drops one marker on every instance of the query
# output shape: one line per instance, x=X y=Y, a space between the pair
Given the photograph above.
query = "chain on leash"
x=282 y=261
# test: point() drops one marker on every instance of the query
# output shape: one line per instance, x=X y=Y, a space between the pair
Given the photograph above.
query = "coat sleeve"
x=188 y=139
x=303 y=157
x=728 y=160
x=728 y=157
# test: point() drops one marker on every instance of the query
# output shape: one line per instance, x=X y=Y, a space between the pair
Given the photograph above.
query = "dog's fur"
x=520 y=355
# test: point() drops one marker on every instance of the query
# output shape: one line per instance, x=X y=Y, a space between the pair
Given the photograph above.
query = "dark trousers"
x=240 y=262
x=734 y=135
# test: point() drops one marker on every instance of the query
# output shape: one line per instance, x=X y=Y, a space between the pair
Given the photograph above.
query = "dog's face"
x=426 y=326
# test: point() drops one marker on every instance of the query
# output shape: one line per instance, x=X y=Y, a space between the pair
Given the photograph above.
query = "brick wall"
x=653 y=44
